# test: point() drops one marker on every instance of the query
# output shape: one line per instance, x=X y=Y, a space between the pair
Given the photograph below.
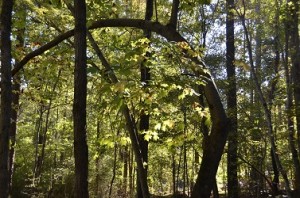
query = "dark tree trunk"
x=275 y=180
x=130 y=123
x=231 y=104
x=144 y=126
x=6 y=95
x=79 y=105
x=131 y=173
x=126 y=159
x=114 y=171
x=295 y=57
x=144 y=118
x=213 y=148
x=174 y=173
x=133 y=133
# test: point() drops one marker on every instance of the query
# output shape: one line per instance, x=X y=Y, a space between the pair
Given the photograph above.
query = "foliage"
x=172 y=98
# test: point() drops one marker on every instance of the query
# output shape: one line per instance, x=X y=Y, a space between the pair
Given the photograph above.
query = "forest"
x=150 y=98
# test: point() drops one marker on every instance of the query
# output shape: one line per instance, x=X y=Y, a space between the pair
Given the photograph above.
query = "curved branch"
x=219 y=131
x=160 y=29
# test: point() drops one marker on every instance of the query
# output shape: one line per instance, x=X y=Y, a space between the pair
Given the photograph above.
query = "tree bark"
x=232 y=178
x=6 y=95
x=174 y=14
x=295 y=53
x=293 y=85
x=79 y=105
x=144 y=118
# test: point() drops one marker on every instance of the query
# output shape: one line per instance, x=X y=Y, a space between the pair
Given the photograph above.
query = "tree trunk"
x=79 y=105
x=213 y=149
x=292 y=81
x=275 y=180
x=266 y=109
x=174 y=173
x=231 y=104
x=257 y=160
x=43 y=131
x=6 y=95
x=144 y=118
x=126 y=159
x=97 y=162
x=114 y=170
x=295 y=57
x=37 y=142
x=131 y=173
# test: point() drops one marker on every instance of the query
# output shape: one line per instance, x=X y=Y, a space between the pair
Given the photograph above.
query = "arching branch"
x=160 y=29
x=219 y=131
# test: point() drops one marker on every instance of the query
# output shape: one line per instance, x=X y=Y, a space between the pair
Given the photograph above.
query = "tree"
x=144 y=117
x=6 y=95
x=232 y=167
x=292 y=27
x=79 y=105
x=266 y=109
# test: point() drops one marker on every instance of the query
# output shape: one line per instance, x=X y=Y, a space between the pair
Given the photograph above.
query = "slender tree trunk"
x=231 y=104
x=126 y=159
x=256 y=112
x=131 y=175
x=292 y=81
x=114 y=171
x=79 y=105
x=275 y=180
x=37 y=142
x=174 y=173
x=133 y=133
x=184 y=151
x=44 y=130
x=130 y=123
x=97 y=162
x=295 y=57
x=178 y=169
x=144 y=117
x=267 y=111
x=6 y=95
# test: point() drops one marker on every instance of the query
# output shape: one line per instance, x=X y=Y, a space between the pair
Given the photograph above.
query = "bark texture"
x=79 y=105
x=6 y=95
x=144 y=118
x=295 y=57
x=232 y=178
